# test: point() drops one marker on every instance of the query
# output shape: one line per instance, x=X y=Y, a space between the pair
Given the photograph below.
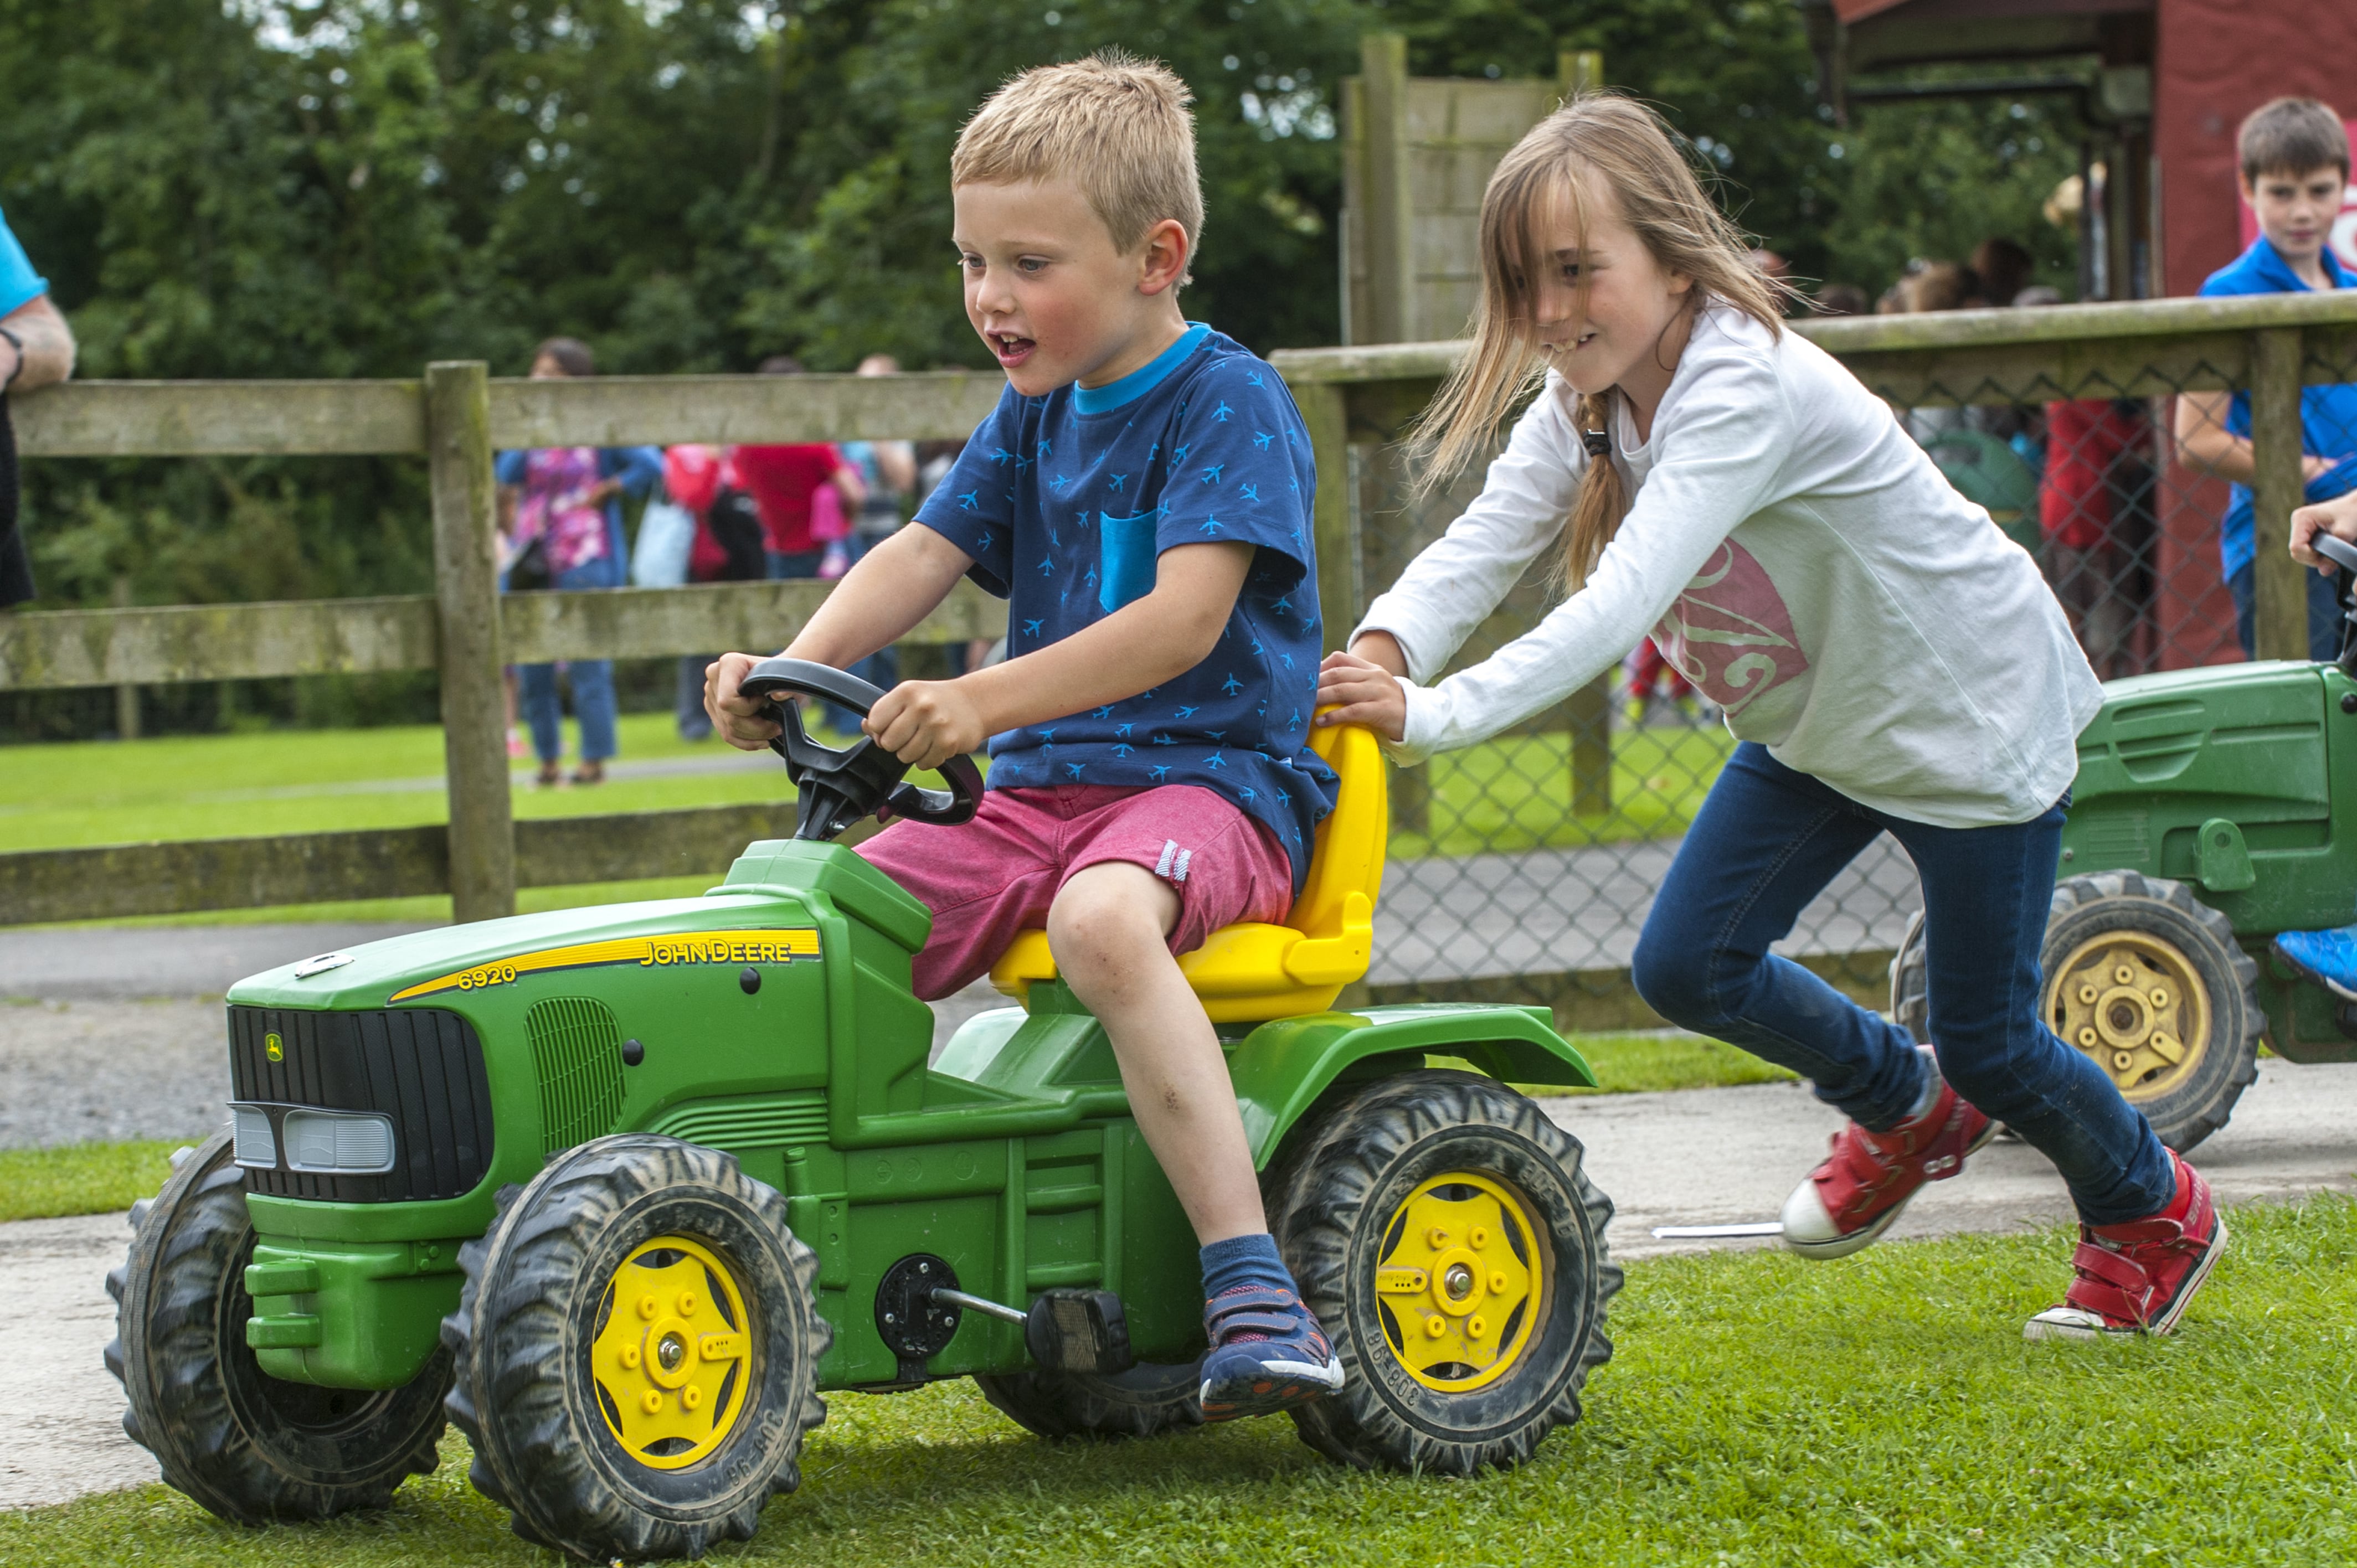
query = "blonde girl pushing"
x=1886 y=660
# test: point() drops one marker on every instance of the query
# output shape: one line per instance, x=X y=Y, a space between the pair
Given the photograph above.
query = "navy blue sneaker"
x=1268 y=1354
x=2328 y=958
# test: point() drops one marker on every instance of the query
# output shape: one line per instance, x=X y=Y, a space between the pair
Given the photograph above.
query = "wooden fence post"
x=466 y=596
x=1578 y=71
x=126 y=694
x=1390 y=214
x=1590 y=711
x=1334 y=530
x=2279 y=586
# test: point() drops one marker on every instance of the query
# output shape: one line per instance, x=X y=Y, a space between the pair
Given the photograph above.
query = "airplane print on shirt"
x=1201 y=447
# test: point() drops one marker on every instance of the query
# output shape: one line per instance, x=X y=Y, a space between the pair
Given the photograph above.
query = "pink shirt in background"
x=556 y=506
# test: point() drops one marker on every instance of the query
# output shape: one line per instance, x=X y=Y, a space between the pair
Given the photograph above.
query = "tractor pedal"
x=1083 y=1331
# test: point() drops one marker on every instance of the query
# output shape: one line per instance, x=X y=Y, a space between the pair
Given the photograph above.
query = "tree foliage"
x=351 y=187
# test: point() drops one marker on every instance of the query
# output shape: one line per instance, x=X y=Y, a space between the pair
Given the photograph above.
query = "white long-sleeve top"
x=1798 y=558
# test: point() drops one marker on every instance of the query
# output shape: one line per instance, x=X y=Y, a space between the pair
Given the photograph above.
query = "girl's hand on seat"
x=1355 y=691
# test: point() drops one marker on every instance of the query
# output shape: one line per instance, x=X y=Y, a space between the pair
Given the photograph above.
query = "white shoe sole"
x=1842 y=1246
x=1834 y=1247
x=2044 y=1328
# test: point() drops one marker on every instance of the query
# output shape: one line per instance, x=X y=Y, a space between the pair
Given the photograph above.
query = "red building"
x=2162 y=85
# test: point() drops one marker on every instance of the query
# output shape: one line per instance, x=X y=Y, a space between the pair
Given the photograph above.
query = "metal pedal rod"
x=948 y=1297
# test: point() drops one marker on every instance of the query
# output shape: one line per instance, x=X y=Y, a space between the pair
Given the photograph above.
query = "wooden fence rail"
x=456 y=416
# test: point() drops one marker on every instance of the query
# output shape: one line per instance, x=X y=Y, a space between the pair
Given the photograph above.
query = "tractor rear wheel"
x=1445 y=1234
x=1144 y=1401
x=245 y=1446
x=637 y=1351
x=2146 y=981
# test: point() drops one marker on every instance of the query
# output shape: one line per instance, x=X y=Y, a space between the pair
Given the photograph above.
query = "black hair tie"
x=1598 y=445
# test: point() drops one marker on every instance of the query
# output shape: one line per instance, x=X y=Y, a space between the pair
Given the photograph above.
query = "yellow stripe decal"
x=690 y=947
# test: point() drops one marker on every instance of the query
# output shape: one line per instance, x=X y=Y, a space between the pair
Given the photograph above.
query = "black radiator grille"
x=421 y=1065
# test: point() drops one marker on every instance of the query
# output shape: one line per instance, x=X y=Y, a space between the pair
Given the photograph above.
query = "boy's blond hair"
x=2291 y=135
x=1115 y=126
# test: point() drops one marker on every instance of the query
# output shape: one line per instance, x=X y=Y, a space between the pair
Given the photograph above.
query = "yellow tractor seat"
x=1248 y=973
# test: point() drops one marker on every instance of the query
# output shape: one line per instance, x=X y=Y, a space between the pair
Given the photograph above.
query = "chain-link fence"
x=1523 y=868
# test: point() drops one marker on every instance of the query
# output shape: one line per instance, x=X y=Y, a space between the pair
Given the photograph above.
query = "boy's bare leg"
x=1110 y=928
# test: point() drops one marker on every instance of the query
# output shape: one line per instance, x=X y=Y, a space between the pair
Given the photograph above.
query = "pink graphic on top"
x=1730 y=632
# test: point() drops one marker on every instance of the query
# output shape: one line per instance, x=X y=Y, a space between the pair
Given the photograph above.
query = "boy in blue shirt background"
x=2295 y=158
x=1141 y=495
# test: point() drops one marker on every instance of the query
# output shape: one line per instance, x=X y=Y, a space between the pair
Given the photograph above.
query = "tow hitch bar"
x=1065 y=1331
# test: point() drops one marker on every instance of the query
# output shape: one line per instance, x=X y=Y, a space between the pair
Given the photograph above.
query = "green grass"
x=1501 y=797
x=1666 y=1059
x=1506 y=796
x=1761 y=1411
x=80 y=1178
x=72 y=794
x=283 y=781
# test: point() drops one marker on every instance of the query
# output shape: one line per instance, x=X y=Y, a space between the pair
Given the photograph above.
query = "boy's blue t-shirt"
x=19 y=283
x=1067 y=502
x=2328 y=414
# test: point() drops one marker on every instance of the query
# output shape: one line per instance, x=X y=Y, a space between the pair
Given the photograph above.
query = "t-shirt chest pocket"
x=1128 y=558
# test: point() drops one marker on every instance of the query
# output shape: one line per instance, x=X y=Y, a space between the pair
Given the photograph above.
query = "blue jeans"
x=687 y=703
x=1768 y=841
x=2323 y=613
x=593 y=683
x=881 y=669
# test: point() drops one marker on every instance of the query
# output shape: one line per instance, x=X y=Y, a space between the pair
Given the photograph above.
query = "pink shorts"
x=994 y=876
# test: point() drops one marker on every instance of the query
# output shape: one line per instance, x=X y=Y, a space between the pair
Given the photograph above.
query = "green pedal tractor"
x=622 y=1191
x=2204 y=821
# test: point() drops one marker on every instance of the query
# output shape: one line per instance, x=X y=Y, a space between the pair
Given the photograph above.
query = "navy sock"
x=1244 y=1261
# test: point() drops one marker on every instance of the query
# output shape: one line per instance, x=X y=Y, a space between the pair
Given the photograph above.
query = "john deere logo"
x=274 y=1046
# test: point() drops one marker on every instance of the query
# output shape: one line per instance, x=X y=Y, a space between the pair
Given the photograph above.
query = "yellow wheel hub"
x=2134 y=1004
x=673 y=1360
x=1460 y=1282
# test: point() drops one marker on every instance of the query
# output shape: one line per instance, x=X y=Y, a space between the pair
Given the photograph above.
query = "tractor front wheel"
x=245 y=1446
x=1446 y=1235
x=2147 y=983
x=637 y=1351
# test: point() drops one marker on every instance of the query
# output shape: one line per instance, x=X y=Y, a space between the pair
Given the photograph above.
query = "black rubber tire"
x=2085 y=907
x=1392 y=1136
x=521 y=1339
x=1147 y=1400
x=245 y=1446
x=1150 y=1399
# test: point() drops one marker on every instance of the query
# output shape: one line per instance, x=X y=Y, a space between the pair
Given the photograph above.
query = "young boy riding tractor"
x=619 y=1190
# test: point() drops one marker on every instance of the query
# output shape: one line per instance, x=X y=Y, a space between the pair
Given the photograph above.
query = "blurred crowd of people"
x=712 y=514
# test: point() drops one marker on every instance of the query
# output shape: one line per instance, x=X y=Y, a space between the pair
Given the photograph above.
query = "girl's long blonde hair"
x=1632 y=152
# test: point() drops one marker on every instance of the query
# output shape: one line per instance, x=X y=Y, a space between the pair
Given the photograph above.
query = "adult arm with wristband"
x=36 y=350
x=36 y=347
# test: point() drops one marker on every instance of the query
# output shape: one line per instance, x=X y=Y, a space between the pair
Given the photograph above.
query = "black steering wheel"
x=837 y=786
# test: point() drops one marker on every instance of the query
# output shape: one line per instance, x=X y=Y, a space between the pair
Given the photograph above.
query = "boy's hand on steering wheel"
x=926 y=722
x=743 y=722
x=1355 y=691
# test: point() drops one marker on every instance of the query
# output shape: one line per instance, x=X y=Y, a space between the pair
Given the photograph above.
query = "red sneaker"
x=2136 y=1277
x=1851 y=1199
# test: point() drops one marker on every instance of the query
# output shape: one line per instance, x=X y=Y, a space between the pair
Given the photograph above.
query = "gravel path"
x=79 y=1072
x=114 y=1032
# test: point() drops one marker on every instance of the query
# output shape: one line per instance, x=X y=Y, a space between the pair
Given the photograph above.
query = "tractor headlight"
x=255 y=1144
x=338 y=1142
